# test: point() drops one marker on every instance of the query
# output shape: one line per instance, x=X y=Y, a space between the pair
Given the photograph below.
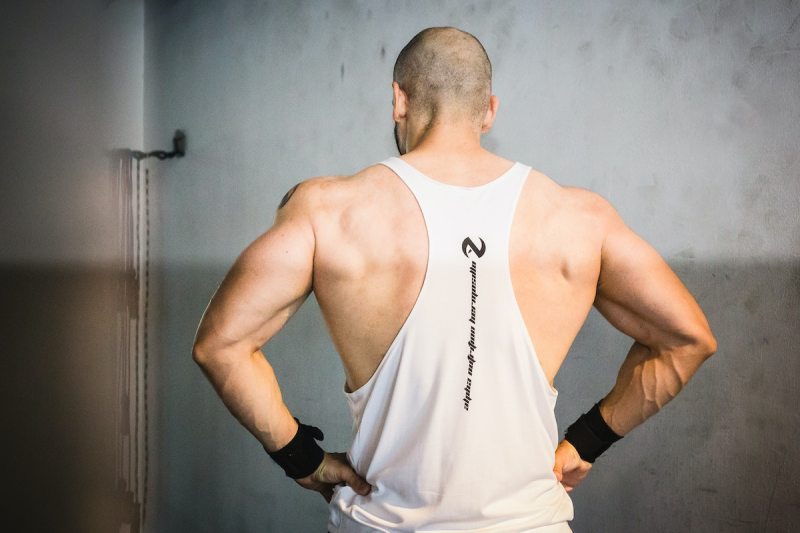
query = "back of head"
x=446 y=74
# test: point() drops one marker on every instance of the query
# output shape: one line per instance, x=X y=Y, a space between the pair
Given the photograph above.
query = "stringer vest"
x=456 y=429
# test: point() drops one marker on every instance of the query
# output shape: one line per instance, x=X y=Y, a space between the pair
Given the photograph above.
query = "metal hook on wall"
x=178 y=149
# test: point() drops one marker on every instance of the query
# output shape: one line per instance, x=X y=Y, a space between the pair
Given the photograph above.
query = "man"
x=453 y=282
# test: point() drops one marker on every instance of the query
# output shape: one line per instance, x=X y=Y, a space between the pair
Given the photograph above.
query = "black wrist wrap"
x=302 y=455
x=590 y=434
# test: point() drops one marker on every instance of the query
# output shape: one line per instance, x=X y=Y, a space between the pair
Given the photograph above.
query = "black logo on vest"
x=468 y=245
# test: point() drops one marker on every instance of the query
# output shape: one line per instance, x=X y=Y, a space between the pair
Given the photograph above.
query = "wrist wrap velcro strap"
x=302 y=455
x=590 y=434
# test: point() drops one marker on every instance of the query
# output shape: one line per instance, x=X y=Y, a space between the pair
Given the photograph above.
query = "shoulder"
x=323 y=193
x=319 y=187
x=590 y=203
x=574 y=201
x=600 y=218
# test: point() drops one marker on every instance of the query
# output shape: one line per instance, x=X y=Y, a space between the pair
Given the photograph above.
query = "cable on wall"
x=132 y=188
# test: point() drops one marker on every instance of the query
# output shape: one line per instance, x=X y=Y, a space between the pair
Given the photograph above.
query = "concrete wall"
x=686 y=115
x=71 y=92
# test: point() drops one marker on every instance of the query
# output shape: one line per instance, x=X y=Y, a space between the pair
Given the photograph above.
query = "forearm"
x=648 y=379
x=249 y=389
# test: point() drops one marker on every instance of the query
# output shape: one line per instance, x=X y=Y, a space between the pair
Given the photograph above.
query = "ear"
x=491 y=113
x=399 y=102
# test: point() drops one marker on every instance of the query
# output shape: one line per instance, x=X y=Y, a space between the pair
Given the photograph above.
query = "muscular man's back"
x=361 y=244
x=371 y=251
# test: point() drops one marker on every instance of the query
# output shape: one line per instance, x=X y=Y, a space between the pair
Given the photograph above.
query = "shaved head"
x=445 y=72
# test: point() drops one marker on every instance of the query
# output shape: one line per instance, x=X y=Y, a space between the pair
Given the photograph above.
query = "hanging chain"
x=134 y=295
x=146 y=313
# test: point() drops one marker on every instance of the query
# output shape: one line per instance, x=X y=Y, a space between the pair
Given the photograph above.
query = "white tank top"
x=456 y=429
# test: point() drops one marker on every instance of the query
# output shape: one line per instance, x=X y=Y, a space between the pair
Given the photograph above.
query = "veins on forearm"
x=647 y=381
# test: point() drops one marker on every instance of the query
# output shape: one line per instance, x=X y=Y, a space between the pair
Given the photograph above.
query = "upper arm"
x=639 y=294
x=267 y=283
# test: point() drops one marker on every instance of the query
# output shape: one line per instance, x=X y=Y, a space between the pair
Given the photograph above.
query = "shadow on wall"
x=59 y=342
x=720 y=457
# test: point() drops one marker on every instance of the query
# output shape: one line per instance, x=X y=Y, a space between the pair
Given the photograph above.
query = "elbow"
x=199 y=353
x=212 y=350
x=693 y=347
x=690 y=353
x=704 y=344
x=712 y=344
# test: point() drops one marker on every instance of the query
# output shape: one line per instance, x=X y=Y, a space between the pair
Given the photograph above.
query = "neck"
x=454 y=137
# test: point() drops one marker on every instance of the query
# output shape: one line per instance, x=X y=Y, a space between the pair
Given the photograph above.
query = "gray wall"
x=685 y=115
x=71 y=91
